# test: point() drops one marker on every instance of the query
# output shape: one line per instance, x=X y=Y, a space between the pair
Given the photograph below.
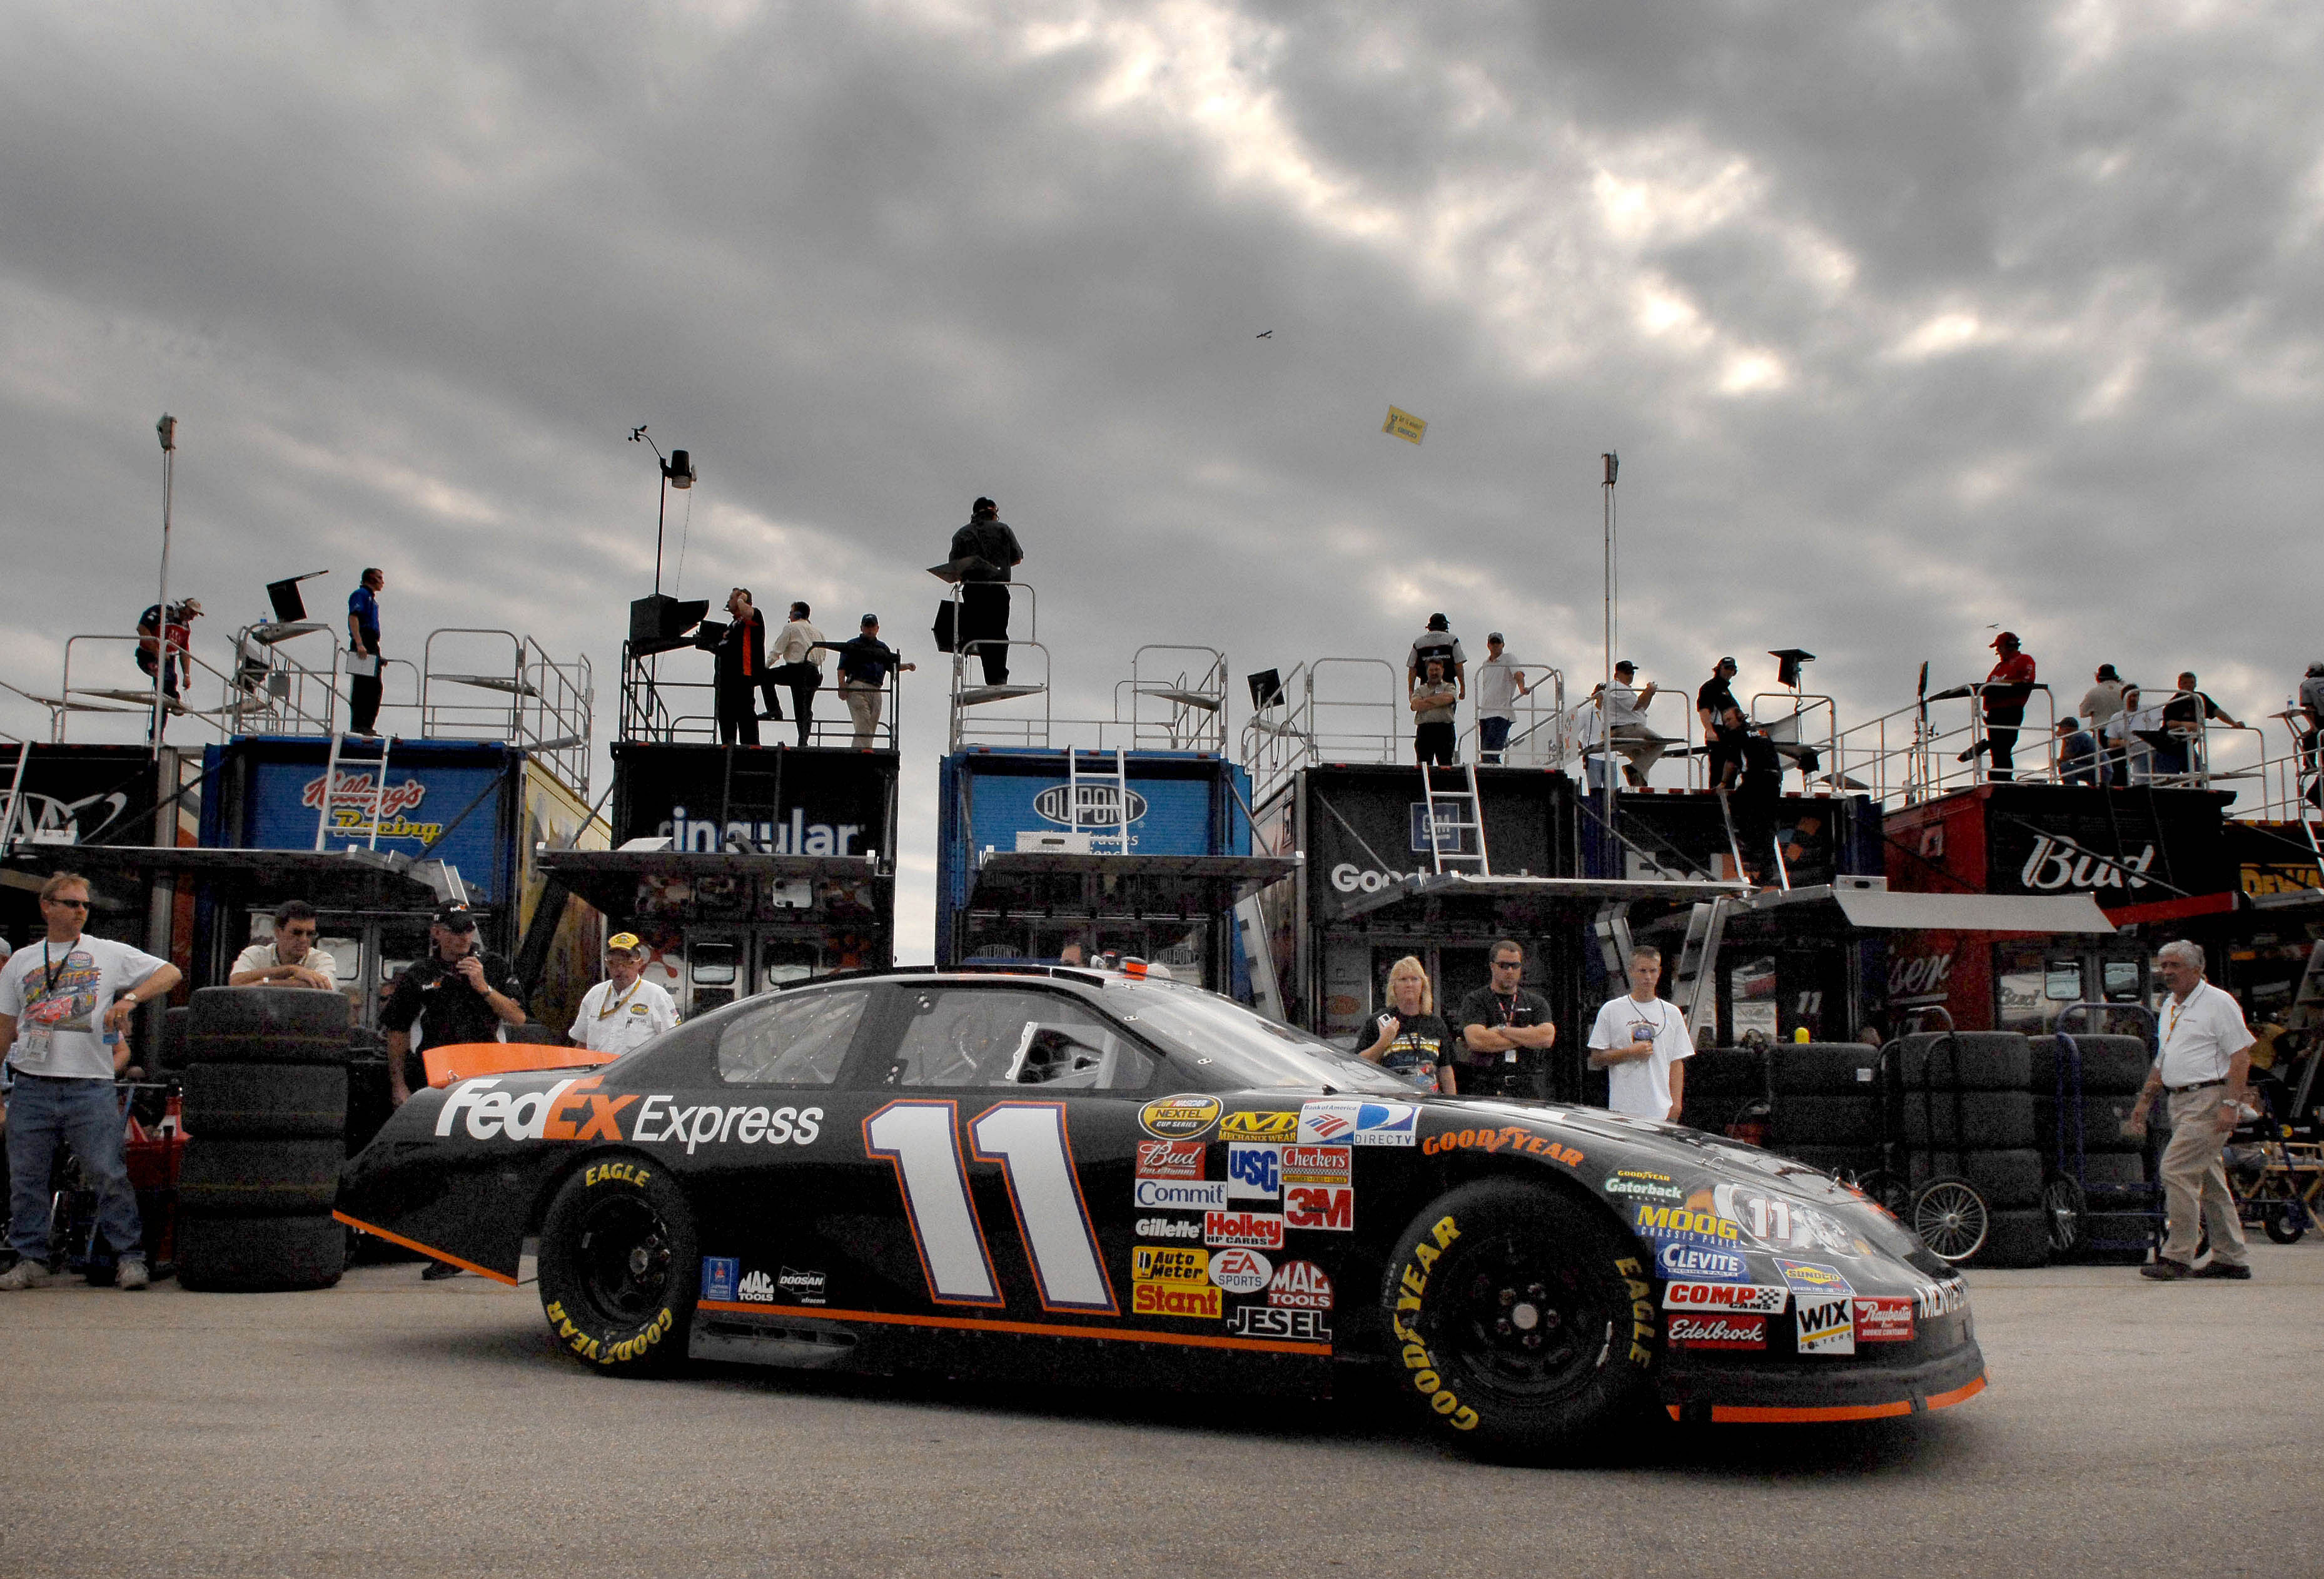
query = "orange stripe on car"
x=1031 y=1328
x=426 y=1250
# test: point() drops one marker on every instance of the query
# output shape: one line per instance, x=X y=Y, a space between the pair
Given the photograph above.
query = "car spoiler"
x=464 y=1060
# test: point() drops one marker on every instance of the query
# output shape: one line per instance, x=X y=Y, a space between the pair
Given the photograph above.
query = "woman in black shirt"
x=1413 y=1040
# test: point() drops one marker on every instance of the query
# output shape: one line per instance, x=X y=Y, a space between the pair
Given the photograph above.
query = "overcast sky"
x=1907 y=321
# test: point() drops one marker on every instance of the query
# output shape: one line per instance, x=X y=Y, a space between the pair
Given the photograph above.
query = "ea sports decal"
x=1254 y=1173
x=1360 y=1123
x=1827 y=1327
x=1179 y=1118
x=1242 y=1271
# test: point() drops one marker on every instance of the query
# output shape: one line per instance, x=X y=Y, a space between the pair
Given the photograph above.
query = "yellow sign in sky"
x=1404 y=425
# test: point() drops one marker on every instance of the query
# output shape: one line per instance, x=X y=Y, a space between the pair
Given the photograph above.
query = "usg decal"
x=1177 y=1194
x=1360 y=1123
x=1254 y=1172
x=1178 y=1118
x=1827 y=1327
x=1242 y=1271
x=1087 y=806
x=718 y=1273
x=1762 y=1298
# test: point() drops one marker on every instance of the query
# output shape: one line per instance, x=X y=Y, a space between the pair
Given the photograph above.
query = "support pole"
x=1605 y=721
x=168 y=429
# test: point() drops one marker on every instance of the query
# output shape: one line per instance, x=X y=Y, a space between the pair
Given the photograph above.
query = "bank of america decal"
x=1086 y=806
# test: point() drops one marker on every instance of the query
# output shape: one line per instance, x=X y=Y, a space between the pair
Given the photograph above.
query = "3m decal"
x=920 y=1137
x=1717 y=1331
x=1253 y=1230
x=1763 y=1299
x=1318 y=1165
x=1684 y=1225
x=1274 y=1128
x=1640 y=1185
x=1329 y=1207
x=1809 y=1278
x=1179 y=1118
x=1176 y=1299
x=803 y=1288
x=1883 y=1318
x=1300 y=1285
x=1514 y=1139
x=718 y=1276
x=1254 y=1173
x=1168 y=1263
x=1694 y=1263
x=1170 y=1160
x=1178 y=1195
x=1360 y=1123
x=1276 y=1321
x=1169 y=1227
x=1826 y=1327
x=1242 y=1271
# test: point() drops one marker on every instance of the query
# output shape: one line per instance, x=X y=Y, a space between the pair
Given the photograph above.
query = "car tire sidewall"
x=654 y=1341
x=1448 y=1388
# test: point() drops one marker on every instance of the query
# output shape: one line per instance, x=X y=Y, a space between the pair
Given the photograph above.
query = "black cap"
x=870 y=620
x=1626 y=664
x=984 y=504
x=1439 y=623
x=1727 y=663
x=456 y=918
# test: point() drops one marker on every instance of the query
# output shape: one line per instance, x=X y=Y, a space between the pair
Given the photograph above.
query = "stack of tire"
x=2104 y=1201
x=1723 y=1087
x=1971 y=1163
x=1827 y=1107
x=265 y=1117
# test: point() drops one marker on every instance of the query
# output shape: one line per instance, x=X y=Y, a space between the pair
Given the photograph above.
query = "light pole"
x=1605 y=722
x=168 y=429
x=677 y=472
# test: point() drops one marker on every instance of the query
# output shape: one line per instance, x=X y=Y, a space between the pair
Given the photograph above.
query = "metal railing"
x=1539 y=736
x=1940 y=745
x=1327 y=710
x=1166 y=704
x=548 y=704
x=664 y=711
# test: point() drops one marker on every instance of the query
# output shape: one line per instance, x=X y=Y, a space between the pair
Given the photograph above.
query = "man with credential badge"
x=1640 y=1040
x=1498 y=1021
x=624 y=1012
x=2206 y=1066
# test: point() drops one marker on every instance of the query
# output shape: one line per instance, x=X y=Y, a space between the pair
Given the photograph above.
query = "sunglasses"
x=69 y=904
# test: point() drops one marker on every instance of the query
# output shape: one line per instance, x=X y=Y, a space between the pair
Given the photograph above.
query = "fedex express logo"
x=572 y=1110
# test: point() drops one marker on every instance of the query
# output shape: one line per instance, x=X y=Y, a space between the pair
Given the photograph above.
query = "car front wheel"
x=618 y=1266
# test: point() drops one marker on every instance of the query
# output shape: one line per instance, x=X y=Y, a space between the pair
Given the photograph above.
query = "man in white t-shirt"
x=1624 y=724
x=64 y=1003
x=1640 y=1040
x=2205 y=1066
x=289 y=958
x=624 y=1012
x=1500 y=681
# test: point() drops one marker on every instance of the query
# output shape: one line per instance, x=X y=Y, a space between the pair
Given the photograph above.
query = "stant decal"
x=1360 y=1123
x=1300 y=1285
x=1717 y=1331
x=1169 y=1159
x=1275 y=1128
x=1808 y=1278
x=1761 y=1299
x=1329 y=1207
x=1180 y=1195
x=1253 y=1230
x=1695 y=1261
x=718 y=1272
x=1276 y=1321
x=1168 y=1263
x=1254 y=1172
x=1179 y=1118
x=1826 y=1327
x=1176 y=1299
x=1884 y=1318
x=1242 y=1271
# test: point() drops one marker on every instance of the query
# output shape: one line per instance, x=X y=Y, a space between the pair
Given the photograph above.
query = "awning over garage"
x=1876 y=909
x=1062 y=882
x=608 y=878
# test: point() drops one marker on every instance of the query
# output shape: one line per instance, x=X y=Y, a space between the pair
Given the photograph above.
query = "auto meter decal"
x=1693 y=1261
x=1884 y=1318
x=1758 y=1298
x=1717 y=1331
x=1168 y=1280
x=1807 y=1278
x=1360 y=1123
x=1826 y=1327
x=1169 y=1159
x=1779 y=1223
x=1300 y=1285
x=1254 y=1173
x=1273 y=1128
x=1168 y=1263
x=1242 y=1271
x=1179 y=1118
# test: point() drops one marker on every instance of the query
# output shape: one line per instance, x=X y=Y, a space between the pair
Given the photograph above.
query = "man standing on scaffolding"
x=177 y=669
x=362 y=654
x=982 y=554
x=2005 y=694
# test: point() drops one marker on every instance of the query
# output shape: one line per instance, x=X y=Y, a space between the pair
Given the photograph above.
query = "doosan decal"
x=1761 y=1299
x=1276 y=1321
x=806 y=1287
x=1254 y=1172
x=1169 y=1159
x=1175 y=1195
x=1253 y=1230
x=1360 y=1123
x=1722 y=1331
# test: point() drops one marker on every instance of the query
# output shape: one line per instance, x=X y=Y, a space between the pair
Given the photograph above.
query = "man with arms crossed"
x=291 y=959
x=624 y=1010
x=2205 y=1066
x=60 y=1000
x=1639 y=1040
x=1497 y=1021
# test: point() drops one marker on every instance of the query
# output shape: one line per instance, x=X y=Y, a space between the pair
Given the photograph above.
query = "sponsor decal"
x=1168 y=1263
x=571 y=1110
x=1945 y=1298
x=1640 y=1185
x=1242 y=1271
x=1360 y=1123
x=1254 y=1173
x=1827 y=1327
x=1332 y=1207
x=2051 y=865
x=1512 y=1138
x=1756 y=1297
x=1276 y=1321
x=1717 y=1331
x=1808 y=1278
x=1088 y=805
x=1174 y=1299
x=1169 y=1159
x=1778 y=1223
x=793 y=837
x=1883 y=1318
x=1180 y=1195
x=1318 y=1165
x=1169 y=1228
x=1300 y=1285
x=1179 y=1118
x=1252 y=1230
x=1685 y=1226
x=1694 y=1263
x=1274 y=1128
x=718 y=1273
x=804 y=1287
x=756 y=1288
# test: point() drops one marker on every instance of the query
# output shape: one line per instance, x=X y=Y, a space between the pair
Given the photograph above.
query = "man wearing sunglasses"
x=64 y=1004
x=1498 y=1022
x=291 y=959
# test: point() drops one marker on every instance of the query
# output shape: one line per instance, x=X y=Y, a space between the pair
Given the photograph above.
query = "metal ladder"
x=1694 y=987
x=15 y=798
x=1119 y=778
x=1734 y=845
x=331 y=786
x=1474 y=823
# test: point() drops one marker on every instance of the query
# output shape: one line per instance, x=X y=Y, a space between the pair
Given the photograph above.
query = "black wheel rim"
x=624 y=1256
x=1519 y=1319
x=1950 y=1218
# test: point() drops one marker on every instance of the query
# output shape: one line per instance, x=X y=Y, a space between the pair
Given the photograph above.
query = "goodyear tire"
x=2004 y=1180
x=1522 y=1321
x=223 y=1178
x=2112 y=1066
x=171 y=1056
x=268 y=1100
x=2015 y=1239
x=1824 y=1120
x=250 y=1255
x=1967 y=1060
x=1990 y=1120
x=619 y=1267
x=2102 y=1118
x=1819 y=1069
x=266 y=1025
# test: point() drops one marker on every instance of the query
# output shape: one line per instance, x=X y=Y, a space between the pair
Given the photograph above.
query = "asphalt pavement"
x=389 y=1426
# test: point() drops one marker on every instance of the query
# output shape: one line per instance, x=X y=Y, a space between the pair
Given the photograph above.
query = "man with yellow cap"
x=624 y=1012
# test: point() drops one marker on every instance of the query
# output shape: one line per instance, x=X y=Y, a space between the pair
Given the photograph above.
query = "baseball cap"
x=1439 y=623
x=189 y=607
x=2069 y=721
x=2008 y=636
x=984 y=504
x=1727 y=663
x=1495 y=636
x=1625 y=664
x=867 y=620
x=456 y=916
x=622 y=943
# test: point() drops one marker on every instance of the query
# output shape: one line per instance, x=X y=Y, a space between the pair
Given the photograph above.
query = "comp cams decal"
x=1359 y=1124
x=1179 y=1118
x=1756 y=1298
x=1512 y=1138
x=569 y=1111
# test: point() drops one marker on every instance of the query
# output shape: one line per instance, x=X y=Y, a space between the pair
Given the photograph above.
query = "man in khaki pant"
x=2205 y=1064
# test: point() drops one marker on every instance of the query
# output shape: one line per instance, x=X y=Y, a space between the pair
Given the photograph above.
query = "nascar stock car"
x=1077 y=1175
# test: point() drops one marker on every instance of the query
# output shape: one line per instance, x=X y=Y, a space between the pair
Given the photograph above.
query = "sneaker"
x=131 y=1275
x=437 y=1270
x=25 y=1274
x=2235 y=1270
x=2166 y=1270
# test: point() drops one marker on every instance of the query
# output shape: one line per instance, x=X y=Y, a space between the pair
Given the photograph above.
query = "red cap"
x=2008 y=636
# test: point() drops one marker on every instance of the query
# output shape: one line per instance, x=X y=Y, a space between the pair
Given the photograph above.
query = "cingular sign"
x=794 y=836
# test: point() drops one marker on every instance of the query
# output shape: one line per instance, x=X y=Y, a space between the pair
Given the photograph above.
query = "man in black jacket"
x=984 y=552
x=742 y=674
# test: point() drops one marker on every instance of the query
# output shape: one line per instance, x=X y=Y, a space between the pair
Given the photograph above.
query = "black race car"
x=1070 y=1175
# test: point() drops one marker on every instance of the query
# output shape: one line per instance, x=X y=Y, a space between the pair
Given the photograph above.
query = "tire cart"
x=2276 y=1181
x=2071 y=1198
x=1961 y=1143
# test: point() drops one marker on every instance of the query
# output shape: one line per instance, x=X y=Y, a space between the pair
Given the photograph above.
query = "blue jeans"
x=1493 y=738
x=85 y=1115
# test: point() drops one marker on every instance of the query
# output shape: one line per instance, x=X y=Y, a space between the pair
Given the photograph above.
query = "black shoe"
x=438 y=1271
x=1978 y=750
x=2166 y=1270
x=2235 y=1270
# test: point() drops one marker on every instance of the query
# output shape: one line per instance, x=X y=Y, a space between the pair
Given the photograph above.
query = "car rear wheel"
x=619 y=1267
x=1523 y=1321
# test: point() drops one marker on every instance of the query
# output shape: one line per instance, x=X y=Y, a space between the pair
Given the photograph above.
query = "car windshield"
x=1250 y=1049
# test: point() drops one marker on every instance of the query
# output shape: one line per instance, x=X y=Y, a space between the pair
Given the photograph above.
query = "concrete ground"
x=389 y=1426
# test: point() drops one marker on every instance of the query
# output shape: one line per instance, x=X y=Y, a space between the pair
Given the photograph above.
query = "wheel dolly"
x=2067 y=1195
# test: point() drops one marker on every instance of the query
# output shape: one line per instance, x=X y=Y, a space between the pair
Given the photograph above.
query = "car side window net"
x=985 y=1037
x=793 y=1040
